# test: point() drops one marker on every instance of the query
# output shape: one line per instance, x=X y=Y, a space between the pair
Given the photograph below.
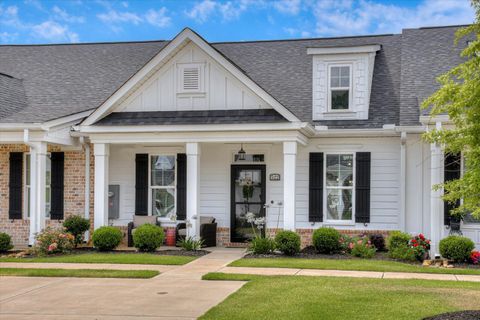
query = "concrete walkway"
x=347 y=273
x=177 y=293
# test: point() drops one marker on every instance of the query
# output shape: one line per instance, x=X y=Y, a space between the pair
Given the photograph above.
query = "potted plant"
x=456 y=222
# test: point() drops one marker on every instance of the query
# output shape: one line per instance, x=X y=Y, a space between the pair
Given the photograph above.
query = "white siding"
x=221 y=89
x=385 y=196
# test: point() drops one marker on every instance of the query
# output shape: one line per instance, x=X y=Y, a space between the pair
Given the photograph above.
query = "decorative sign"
x=274 y=176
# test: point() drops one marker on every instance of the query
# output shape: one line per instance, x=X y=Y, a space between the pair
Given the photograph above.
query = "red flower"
x=421 y=236
x=415 y=244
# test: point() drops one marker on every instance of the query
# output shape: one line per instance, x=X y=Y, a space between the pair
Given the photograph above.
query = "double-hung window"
x=339 y=187
x=162 y=185
x=339 y=87
x=48 y=194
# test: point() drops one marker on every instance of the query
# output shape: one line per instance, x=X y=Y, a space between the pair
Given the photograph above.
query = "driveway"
x=178 y=293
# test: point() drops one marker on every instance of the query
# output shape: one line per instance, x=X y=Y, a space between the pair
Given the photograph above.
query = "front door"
x=247 y=195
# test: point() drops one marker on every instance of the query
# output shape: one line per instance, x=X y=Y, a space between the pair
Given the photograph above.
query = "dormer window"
x=191 y=77
x=342 y=81
x=340 y=87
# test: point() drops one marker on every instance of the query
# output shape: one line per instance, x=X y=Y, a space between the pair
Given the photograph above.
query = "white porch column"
x=38 y=168
x=436 y=202
x=101 y=152
x=193 y=189
x=289 y=173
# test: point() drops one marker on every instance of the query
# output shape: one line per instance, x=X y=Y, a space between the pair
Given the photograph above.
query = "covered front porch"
x=183 y=177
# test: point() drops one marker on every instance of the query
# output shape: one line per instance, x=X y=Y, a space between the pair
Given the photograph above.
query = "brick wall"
x=74 y=190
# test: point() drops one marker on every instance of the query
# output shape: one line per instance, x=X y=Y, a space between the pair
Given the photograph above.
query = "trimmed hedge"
x=397 y=239
x=148 y=237
x=77 y=226
x=288 y=242
x=261 y=245
x=107 y=238
x=456 y=248
x=326 y=240
x=5 y=242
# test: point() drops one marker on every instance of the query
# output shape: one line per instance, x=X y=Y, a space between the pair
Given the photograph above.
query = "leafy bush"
x=403 y=252
x=5 y=242
x=363 y=248
x=107 y=238
x=456 y=248
x=346 y=243
x=261 y=245
x=77 y=226
x=326 y=240
x=190 y=244
x=378 y=241
x=148 y=237
x=397 y=239
x=288 y=242
x=420 y=246
x=51 y=241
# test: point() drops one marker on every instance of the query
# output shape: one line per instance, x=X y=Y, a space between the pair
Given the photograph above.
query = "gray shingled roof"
x=12 y=96
x=60 y=80
x=192 y=117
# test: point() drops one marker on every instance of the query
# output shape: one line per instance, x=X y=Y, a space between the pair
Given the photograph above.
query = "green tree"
x=459 y=97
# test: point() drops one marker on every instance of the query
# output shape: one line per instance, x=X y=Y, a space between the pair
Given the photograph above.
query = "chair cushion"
x=182 y=232
x=207 y=220
x=141 y=220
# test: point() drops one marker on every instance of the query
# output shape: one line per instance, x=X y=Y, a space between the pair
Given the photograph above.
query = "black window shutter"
x=57 y=185
x=315 y=187
x=362 y=187
x=141 y=184
x=181 y=186
x=452 y=171
x=15 y=185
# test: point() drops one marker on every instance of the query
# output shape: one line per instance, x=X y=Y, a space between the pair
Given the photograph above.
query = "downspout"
x=87 y=183
x=403 y=181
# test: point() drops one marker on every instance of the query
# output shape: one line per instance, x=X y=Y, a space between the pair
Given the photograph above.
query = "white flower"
x=250 y=217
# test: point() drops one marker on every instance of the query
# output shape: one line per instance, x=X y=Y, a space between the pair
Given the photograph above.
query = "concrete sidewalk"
x=177 y=293
x=348 y=273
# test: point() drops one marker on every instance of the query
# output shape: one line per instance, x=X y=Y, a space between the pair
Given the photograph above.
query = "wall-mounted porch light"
x=241 y=153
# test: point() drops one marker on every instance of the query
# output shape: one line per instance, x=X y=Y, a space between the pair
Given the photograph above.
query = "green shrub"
x=148 y=237
x=346 y=243
x=107 y=238
x=397 y=239
x=403 y=252
x=52 y=240
x=288 y=242
x=77 y=226
x=326 y=240
x=5 y=242
x=363 y=248
x=261 y=245
x=456 y=248
x=190 y=244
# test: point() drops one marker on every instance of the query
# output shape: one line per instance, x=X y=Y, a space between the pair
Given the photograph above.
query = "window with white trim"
x=162 y=185
x=48 y=194
x=340 y=87
x=339 y=187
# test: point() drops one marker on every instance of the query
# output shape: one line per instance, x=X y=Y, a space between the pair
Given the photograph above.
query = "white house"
x=307 y=132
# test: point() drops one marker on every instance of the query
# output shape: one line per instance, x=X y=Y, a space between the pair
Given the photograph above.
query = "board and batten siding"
x=385 y=179
x=221 y=90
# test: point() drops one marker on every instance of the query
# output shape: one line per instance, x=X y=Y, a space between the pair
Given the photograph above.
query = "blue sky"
x=35 y=21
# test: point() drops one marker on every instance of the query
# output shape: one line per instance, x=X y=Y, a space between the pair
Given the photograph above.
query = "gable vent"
x=191 y=79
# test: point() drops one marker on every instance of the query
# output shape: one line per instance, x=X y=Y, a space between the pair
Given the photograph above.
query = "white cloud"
x=229 y=10
x=9 y=17
x=346 y=17
x=158 y=18
x=53 y=31
x=61 y=14
x=288 y=6
x=6 y=37
x=113 y=16
x=202 y=10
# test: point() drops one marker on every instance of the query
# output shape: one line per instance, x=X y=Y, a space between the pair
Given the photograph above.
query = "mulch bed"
x=310 y=253
x=459 y=315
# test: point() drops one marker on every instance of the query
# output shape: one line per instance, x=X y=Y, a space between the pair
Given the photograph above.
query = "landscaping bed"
x=459 y=315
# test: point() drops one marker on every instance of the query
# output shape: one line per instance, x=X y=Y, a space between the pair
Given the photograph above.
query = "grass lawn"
x=346 y=264
x=120 y=258
x=78 y=273
x=297 y=297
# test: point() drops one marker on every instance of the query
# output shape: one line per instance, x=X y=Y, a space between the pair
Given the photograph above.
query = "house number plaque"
x=274 y=176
